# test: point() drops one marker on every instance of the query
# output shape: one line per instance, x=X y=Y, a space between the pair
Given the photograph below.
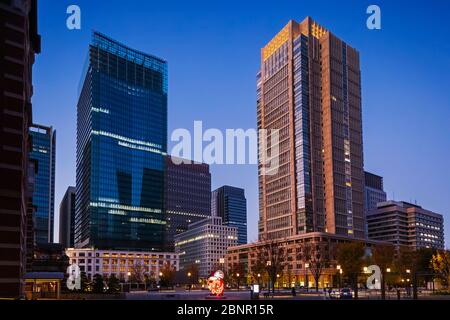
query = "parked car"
x=335 y=294
x=346 y=293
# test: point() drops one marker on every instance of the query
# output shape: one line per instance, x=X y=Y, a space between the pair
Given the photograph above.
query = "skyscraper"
x=67 y=219
x=19 y=44
x=121 y=144
x=230 y=204
x=373 y=191
x=188 y=196
x=309 y=89
x=43 y=152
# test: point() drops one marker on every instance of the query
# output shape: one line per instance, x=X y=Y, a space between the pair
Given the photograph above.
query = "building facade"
x=67 y=219
x=406 y=224
x=230 y=204
x=309 y=89
x=294 y=255
x=205 y=244
x=121 y=145
x=188 y=196
x=122 y=263
x=43 y=152
x=20 y=42
x=373 y=191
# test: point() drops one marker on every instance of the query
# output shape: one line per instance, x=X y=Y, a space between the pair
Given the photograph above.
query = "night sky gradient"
x=213 y=51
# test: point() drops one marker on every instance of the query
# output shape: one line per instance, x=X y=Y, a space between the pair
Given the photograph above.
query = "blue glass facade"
x=302 y=135
x=43 y=155
x=230 y=204
x=121 y=144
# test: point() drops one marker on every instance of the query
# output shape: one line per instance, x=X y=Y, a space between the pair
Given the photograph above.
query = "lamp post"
x=338 y=267
x=190 y=281
x=237 y=276
x=259 y=278
x=278 y=281
x=306 y=277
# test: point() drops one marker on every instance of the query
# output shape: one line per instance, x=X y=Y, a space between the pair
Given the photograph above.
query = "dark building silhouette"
x=19 y=42
x=67 y=219
x=188 y=196
x=373 y=191
x=43 y=152
x=230 y=204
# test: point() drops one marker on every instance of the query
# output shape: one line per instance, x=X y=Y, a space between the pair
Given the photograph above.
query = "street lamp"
x=388 y=270
x=306 y=276
x=237 y=276
x=278 y=281
x=340 y=274
x=190 y=282
x=408 y=271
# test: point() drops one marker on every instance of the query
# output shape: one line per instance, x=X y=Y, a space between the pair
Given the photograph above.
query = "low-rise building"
x=121 y=263
x=292 y=253
x=205 y=244
x=403 y=223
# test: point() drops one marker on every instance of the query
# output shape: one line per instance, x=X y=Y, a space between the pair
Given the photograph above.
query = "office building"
x=188 y=196
x=20 y=42
x=230 y=204
x=309 y=89
x=405 y=224
x=121 y=145
x=296 y=269
x=43 y=152
x=67 y=219
x=373 y=191
x=205 y=244
x=122 y=263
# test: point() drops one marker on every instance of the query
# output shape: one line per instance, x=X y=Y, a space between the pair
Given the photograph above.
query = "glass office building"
x=43 y=154
x=230 y=204
x=121 y=144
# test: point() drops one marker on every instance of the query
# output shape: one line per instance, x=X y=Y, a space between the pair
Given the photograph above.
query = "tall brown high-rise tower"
x=309 y=87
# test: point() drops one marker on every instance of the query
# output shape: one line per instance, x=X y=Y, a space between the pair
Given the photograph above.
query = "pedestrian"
x=294 y=293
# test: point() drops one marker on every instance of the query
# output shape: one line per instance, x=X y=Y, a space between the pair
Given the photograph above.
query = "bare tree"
x=350 y=256
x=317 y=255
x=272 y=255
x=137 y=273
x=383 y=256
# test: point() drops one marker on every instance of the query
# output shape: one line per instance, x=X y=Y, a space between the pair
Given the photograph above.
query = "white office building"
x=121 y=263
x=205 y=244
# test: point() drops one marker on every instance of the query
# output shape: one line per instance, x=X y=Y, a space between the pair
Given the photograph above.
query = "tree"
x=407 y=265
x=167 y=275
x=383 y=256
x=350 y=256
x=237 y=273
x=440 y=262
x=86 y=285
x=137 y=273
x=192 y=273
x=113 y=284
x=317 y=255
x=98 y=285
x=150 y=279
x=273 y=255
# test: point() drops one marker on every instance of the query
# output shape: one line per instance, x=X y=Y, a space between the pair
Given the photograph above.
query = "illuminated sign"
x=216 y=284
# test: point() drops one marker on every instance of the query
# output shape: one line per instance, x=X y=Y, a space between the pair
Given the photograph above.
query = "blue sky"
x=213 y=51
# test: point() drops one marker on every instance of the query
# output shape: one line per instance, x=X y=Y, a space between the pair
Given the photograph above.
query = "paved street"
x=181 y=294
